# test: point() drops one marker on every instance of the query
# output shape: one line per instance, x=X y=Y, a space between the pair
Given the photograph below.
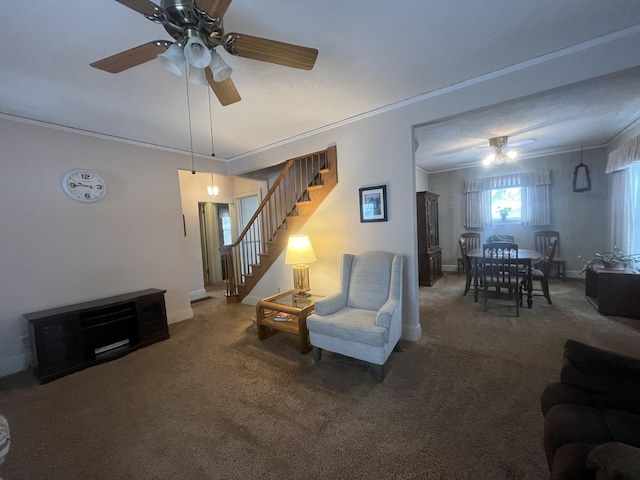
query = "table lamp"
x=299 y=253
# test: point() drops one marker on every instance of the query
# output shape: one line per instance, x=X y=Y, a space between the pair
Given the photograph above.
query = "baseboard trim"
x=15 y=364
x=175 y=317
x=197 y=294
x=411 y=333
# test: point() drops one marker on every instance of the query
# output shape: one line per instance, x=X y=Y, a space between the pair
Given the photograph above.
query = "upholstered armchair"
x=364 y=319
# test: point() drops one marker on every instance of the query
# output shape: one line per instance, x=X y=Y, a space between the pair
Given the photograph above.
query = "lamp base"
x=301 y=279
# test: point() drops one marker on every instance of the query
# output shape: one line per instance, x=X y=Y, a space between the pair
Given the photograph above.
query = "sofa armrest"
x=331 y=304
x=615 y=461
x=558 y=393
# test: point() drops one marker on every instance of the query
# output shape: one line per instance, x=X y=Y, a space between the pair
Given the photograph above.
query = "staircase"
x=300 y=188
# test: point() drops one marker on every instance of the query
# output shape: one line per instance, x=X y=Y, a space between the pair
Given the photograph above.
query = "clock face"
x=84 y=186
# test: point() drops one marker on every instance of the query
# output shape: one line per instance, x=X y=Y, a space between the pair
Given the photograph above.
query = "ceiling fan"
x=500 y=152
x=196 y=26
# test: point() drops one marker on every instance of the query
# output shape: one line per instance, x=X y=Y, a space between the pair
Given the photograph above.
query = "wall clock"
x=84 y=185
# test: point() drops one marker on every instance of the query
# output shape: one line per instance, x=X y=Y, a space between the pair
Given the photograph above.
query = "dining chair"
x=500 y=271
x=542 y=271
x=543 y=240
x=501 y=238
x=472 y=239
x=466 y=261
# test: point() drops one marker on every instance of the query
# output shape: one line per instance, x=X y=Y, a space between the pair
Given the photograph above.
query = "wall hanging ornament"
x=581 y=177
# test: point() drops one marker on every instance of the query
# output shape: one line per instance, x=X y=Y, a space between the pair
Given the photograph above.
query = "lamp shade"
x=196 y=52
x=173 y=60
x=299 y=250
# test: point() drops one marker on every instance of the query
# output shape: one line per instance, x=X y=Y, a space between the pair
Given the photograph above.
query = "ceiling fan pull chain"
x=213 y=153
x=193 y=169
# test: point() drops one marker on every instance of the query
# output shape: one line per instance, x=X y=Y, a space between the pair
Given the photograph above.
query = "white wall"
x=55 y=251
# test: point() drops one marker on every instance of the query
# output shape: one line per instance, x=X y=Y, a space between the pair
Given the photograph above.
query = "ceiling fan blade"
x=225 y=90
x=145 y=7
x=132 y=57
x=271 y=51
x=213 y=8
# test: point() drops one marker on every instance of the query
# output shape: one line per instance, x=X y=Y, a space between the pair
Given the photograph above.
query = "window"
x=506 y=204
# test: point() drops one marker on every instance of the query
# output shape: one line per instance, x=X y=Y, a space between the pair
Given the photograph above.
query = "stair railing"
x=281 y=201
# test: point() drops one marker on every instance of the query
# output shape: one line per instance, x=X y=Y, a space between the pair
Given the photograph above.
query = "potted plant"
x=503 y=211
x=616 y=259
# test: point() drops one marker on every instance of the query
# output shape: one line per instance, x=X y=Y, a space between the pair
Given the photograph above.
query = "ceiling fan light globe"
x=512 y=154
x=173 y=60
x=221 y=71
x=489 y=159
x=197 y=53
x=197 y=76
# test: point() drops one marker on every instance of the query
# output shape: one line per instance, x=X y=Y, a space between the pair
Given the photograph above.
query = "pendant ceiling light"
x=500 y=153
x=213 y=190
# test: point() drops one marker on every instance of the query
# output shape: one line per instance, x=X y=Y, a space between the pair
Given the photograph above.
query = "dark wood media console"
x=71 y=338
x=613 y=292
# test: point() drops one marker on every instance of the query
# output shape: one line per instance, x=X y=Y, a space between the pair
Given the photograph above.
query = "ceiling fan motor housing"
x=183 y=20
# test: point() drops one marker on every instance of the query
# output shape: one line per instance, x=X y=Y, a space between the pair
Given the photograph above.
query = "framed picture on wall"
x=373 y=204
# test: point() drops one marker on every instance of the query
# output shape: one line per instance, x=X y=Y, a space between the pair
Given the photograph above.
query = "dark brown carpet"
x=214 y=402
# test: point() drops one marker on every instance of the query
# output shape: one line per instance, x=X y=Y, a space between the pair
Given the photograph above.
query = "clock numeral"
x=87 y=195
x=72 y=185
x=98 y=187
x=85 y=176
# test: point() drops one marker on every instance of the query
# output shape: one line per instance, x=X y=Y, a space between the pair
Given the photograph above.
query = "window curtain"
x=536 y=204
x=624 y=167
x=478 y=204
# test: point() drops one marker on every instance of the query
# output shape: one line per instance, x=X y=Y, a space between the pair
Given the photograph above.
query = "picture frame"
x=373 y=204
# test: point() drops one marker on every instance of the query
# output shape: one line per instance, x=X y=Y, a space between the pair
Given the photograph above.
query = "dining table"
x=526 y=257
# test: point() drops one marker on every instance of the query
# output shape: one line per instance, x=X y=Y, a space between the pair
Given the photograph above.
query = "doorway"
x=215 y=230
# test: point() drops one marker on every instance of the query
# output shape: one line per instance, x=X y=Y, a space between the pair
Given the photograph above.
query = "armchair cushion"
x=369 y=281
x=351 y=324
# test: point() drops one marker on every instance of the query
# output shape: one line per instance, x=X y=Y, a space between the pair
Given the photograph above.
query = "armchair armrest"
x=615 y=461
x=386 y=312
x=331 y=304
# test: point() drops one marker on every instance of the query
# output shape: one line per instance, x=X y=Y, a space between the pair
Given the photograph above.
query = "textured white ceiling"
x=372 y=54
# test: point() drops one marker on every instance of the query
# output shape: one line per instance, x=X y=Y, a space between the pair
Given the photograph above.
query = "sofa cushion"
x=350 y=324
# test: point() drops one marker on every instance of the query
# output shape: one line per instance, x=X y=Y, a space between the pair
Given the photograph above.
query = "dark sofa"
x=592 y=416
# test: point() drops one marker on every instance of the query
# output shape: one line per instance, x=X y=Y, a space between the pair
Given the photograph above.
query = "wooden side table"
x=288 y=302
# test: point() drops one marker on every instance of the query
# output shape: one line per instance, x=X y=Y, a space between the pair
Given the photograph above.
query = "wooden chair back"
x=545 y=264
x=501 y=238
x=472 y=239
x=500 y=264
x=544 y=239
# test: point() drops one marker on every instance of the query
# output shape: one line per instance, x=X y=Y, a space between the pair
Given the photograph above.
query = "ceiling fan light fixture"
x=196 y=76
x=489 y=159
x=196 y=52
x=512 y=154
x=221 y=71
x=173 y=60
